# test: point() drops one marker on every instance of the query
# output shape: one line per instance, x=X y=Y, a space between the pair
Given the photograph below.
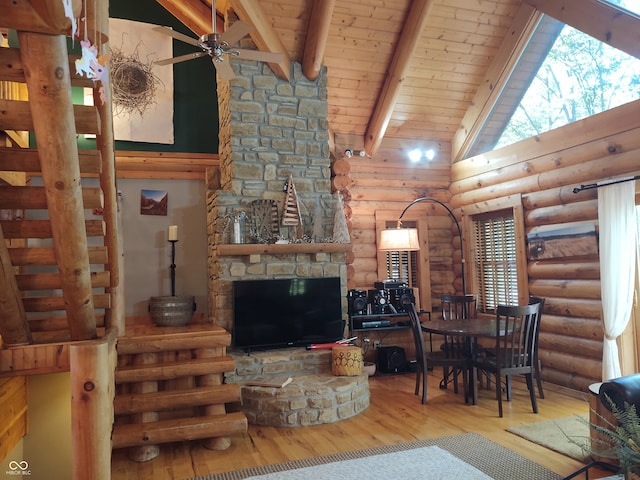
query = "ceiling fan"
x=218 y=47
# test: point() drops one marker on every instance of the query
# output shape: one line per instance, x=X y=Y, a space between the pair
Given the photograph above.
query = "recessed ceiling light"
x=415 y=154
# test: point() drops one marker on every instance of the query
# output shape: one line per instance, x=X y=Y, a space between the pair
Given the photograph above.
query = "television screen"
x=286 y=312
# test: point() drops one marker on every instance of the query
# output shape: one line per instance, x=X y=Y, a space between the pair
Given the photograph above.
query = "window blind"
x=495 y=269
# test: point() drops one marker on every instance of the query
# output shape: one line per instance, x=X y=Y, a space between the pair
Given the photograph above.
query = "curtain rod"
x=595 y=185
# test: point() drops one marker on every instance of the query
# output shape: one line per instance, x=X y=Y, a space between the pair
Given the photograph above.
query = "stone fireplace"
x=271 y=130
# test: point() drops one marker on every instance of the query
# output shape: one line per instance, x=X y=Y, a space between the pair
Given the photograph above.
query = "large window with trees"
x=562 y=76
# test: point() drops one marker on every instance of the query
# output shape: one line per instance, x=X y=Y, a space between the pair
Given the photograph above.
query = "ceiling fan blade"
x=234 y=33
x=181 y=58
x=269 y=57
x=224 y=69
x=177 y=35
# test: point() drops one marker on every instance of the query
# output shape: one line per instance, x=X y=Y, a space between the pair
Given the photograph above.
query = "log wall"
x=544 y=170
x=388 y=182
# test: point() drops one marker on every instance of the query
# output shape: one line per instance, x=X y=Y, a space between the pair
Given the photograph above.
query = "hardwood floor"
x=394 y=416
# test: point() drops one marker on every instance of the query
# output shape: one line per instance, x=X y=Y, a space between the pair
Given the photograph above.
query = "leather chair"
x=620 y=391
x=616 y=392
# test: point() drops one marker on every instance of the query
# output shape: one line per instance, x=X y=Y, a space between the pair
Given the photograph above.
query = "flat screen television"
x=286 y=312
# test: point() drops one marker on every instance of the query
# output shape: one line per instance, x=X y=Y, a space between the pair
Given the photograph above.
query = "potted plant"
x=619 y=440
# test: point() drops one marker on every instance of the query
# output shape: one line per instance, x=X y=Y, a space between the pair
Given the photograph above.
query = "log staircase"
x=169 y=387
x=61 y=298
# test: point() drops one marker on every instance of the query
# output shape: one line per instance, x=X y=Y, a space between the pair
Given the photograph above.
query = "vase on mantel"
x=172 y=310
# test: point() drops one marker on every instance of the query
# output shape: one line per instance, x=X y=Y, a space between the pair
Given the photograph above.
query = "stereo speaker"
x=400 y=298
x=391 y=360
x=379 y=301
x=357 y=302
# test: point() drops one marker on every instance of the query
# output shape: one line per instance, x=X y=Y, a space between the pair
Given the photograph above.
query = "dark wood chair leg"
x=532 y=392
x=499 y=393
x=538 y=367
x=424 y=385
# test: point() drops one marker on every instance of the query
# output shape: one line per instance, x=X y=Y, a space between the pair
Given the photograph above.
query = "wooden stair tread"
x=146 y=338
x=179 y=429
x=126 y=404
x=177 y=369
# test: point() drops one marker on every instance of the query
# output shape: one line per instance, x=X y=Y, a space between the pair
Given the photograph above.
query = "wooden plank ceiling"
x=407 y=72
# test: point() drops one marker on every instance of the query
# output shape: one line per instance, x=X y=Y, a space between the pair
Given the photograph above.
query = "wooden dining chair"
x=536 y=360
x=427 y=359
x=421 y=351
x=514 y=351
x=456 y=307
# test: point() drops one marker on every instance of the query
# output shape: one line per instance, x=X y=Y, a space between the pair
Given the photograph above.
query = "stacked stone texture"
x=270 y=129
x=314 y=397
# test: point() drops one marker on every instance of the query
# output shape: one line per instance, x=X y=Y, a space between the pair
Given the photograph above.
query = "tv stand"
x=382 y=321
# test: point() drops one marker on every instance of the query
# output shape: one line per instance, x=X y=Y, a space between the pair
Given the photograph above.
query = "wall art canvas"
x=153 y=202
x=572 y=240
x=142 y=91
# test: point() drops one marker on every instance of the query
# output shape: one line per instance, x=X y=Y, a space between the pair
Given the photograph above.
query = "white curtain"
x=617 y=220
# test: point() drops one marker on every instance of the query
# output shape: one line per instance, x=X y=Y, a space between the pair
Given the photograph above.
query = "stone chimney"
x=271 y=130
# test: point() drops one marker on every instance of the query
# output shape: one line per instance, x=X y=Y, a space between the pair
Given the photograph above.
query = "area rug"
x=471 y=456
x=568 y=435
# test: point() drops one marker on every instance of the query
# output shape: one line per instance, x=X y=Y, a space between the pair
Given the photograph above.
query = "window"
x=494 y=259
x=562 y=75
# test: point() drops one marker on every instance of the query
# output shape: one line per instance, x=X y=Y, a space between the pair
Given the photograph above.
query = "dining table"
x=470 y=329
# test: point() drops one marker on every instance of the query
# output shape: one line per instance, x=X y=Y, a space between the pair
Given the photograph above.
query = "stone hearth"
x=315 y=395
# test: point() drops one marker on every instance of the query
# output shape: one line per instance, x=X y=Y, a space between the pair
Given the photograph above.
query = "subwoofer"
x=391 y=360
x=357 y=302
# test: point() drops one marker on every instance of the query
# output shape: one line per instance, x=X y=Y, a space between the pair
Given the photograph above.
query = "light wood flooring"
x=394 y=416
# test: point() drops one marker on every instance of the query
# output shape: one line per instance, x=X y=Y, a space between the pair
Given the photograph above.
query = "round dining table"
x=469 y=328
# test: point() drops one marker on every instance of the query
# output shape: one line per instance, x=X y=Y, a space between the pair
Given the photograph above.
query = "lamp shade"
x=399 y=239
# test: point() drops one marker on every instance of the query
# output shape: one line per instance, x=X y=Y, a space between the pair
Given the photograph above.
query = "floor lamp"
x=406 y=239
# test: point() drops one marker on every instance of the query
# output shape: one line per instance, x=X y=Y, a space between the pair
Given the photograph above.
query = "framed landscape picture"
x=571 y=240
x=153 y=202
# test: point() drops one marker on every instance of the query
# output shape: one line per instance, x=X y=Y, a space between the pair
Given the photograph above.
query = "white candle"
x=173 y=233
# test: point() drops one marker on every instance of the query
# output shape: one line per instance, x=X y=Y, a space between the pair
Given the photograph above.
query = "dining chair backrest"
x=421 y=350
x=536 y=358
x=540 y=301
x=418 y=337
x=517 y=346
x=455 y=307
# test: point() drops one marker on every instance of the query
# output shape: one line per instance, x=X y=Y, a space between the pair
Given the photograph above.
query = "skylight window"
x=563 y=76
x=632 y=6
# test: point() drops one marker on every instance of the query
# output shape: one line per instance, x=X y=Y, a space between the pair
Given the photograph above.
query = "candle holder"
x=173 y=267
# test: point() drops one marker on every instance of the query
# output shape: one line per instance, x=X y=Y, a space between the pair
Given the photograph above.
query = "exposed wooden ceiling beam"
x=317 y=34
x=263 y=34
x=495 y=80
x=194 y=14
x=379 y=121
x=606 y=22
